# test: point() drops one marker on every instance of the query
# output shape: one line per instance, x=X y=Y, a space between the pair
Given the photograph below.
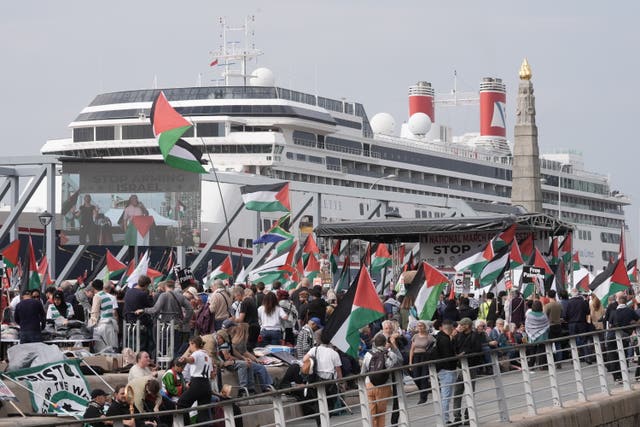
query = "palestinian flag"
x=114 y=266
x=312 y=270
x=345 y=276
x=566 y=248
x=610 y=281
x=31 y=278
x=335 y=255
x=576 y=262
x=504 y=238
x=168 y=127
x=139 y=270
x=537 y=260
x=560 y=277
x=526 y=248
x=411 y=263
x=582 y=278
x=266 y=198
x=632 y=270
x=138 y=230
x=223 y=271
x=68 y=204
x=285 y=245
x=494 y=269
x=476 y=262
x=554 y=252
x=359 y=307
x=381 y=258
x=11 y=254
x=426 y=288
x=515 y=257
x=310 y=246
x=274 y=235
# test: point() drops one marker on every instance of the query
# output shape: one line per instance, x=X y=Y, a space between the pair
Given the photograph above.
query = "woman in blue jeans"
x=270 y=315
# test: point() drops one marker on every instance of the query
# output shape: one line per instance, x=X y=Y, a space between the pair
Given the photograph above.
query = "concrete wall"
x=618 y=410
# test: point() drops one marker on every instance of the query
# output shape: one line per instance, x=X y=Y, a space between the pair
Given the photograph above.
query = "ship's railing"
x=497 y=385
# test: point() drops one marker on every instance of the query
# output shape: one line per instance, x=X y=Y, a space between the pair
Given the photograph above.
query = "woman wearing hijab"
x=59 y=309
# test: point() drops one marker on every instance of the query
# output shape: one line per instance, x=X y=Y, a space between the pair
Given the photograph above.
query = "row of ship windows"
x=110 y=133
x=587 y=219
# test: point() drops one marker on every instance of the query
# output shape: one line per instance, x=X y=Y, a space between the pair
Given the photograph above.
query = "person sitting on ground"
x=173 y=383
x=238 y=334
x=146 y=397
x=95 y=409
x=142 y=367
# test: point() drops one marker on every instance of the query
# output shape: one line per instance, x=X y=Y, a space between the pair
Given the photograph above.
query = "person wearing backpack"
x=384 y=355
x=220 y=304
x=292 y=316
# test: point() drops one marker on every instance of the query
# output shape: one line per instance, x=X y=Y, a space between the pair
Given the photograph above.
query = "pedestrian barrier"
x=164 y=343
x=513 y=383
x=131 y=335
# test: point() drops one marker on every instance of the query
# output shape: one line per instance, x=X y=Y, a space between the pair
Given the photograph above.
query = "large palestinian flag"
x=476 y=262
x=494 y=270
x=266 y=198
x=138 y=230
x=223 y=271
x=359 y=307
x=610 y=281
x=168 y=127
x=425 y=289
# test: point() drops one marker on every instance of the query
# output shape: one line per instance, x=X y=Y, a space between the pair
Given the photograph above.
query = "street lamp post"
x=391 y=176
x=45 y=219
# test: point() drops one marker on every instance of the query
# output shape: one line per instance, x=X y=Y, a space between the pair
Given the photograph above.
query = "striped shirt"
x=107 y=305
x=53 y=313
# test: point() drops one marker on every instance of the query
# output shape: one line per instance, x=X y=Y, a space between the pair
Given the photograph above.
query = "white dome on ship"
x=383 y=123
x=262 y=77
x=419 y=123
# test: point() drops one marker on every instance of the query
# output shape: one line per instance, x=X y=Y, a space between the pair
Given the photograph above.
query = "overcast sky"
x=56 y=56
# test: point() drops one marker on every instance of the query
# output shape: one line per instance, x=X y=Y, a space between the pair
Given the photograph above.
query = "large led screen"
x=129 y=203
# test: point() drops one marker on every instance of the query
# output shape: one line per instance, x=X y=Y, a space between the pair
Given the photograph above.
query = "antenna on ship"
x=230 y=51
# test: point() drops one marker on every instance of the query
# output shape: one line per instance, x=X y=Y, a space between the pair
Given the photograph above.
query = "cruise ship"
x=257 y=128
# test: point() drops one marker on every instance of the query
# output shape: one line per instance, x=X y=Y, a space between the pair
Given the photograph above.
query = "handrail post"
x=229 y=418
x=553 y=375
x=437 y=398
x=398 y=378
x=278 y=412
x=602 y=372
x=363 y=401
x=577 y=369
x=624 y=366
x=526 y=380
x=497 y=378
x=468 y=392
x=323 y=406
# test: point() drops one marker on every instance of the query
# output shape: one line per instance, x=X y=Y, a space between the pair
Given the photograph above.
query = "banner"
x=60 y=383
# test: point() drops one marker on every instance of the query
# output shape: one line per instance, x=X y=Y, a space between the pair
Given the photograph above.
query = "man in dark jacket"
x=30 y=316
x=95 y=409
x=467 y=342
x=517 y=309
x=621 y=316
x=446 y=369
x=135 y=299
x=576 y=316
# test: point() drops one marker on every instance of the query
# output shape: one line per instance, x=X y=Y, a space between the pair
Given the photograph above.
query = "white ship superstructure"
x=266 y=130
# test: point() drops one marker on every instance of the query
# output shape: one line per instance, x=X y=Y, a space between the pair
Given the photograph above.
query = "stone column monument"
x=526 y=188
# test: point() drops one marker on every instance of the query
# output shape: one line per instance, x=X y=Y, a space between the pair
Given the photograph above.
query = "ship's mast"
x=235 y=50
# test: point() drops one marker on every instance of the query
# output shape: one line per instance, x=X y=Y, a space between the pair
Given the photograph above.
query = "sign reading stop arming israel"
x=61 y=383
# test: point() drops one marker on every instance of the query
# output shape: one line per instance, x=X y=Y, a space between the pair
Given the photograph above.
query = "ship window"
x=609 y=238
x=241 y=243
x=290 y=155
x=609 y=255
x=83 y=134
x=315 y=159
x=301 y=157
x=137 y=132
x=105 y=133
x=361 y=209
x=417 y=213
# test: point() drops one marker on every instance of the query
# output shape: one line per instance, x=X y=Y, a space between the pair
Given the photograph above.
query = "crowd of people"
x=218 y=329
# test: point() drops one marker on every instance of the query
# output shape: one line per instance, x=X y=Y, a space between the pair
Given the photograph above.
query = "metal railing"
x=165 y=343
x=512 y=382
x=131 y=335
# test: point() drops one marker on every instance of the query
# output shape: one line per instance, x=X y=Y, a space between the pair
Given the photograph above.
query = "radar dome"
x=419 y=124
x=262 y=77
x=383 y=123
